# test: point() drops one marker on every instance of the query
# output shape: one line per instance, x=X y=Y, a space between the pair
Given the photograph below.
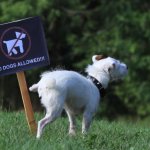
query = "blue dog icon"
x=12 y=44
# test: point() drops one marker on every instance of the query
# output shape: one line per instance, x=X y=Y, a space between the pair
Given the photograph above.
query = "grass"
x=104 y=135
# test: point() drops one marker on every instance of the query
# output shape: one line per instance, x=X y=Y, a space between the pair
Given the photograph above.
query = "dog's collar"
x=98 y=85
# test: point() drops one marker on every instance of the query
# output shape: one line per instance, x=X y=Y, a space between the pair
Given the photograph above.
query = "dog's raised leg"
x=87 y=118
x=72 y=125
x=49 y=117
x=42 y=123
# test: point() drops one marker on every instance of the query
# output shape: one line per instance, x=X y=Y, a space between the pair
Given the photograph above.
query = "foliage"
x=103 y=135
x=75 y=30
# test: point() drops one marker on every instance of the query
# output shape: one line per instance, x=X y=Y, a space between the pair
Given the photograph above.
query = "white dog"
x=75 y=93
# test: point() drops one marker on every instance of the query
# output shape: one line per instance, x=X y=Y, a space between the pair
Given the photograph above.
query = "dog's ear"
x=98 y=57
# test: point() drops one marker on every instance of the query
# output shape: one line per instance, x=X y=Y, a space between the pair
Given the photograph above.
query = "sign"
x=22 y=46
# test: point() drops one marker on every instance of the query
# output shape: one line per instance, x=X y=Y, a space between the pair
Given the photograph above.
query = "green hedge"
x=76 y=30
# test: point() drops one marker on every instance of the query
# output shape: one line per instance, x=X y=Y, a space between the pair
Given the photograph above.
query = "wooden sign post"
x=23 y=47
x=26 y=102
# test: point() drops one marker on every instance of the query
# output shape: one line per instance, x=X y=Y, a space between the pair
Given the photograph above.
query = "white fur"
x=75 y=93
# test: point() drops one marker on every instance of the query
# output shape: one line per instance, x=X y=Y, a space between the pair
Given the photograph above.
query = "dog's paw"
x=72 y=133
x=38 y=137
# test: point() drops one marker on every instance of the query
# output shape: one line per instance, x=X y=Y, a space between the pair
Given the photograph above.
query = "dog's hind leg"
x=49 y=117
x=42 y=123
x=72 y=122
x=52 y=113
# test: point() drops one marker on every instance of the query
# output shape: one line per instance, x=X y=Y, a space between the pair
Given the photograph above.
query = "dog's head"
x=114 y=68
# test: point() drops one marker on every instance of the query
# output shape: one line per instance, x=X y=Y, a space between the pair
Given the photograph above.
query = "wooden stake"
x=26 y=102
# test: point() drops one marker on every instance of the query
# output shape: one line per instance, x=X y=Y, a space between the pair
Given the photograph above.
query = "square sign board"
x=22 y=46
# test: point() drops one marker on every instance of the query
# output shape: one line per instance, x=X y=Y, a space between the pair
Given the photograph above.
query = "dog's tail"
x=34 y=88
x=43 y=86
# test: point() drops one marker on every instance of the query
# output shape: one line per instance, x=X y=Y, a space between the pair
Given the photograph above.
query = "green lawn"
x=103 y=135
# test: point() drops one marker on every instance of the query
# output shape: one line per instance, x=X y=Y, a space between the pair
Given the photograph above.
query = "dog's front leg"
x=87 y=118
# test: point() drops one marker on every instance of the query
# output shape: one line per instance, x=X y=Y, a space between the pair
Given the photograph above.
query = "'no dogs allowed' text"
x=22 y=63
